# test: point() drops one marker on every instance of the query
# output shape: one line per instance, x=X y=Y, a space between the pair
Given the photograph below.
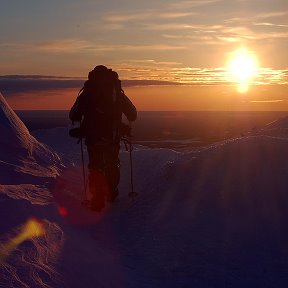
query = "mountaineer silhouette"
x=99 y=108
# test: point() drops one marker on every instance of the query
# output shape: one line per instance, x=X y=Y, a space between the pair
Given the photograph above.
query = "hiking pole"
x=77 y=133
x=85 y=201
x=126 y=138
x=83 y=169
x=132 y=194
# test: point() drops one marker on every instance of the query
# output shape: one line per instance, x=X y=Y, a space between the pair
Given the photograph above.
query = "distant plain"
x=171 y=129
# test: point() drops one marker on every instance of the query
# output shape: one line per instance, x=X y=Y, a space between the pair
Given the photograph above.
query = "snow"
x=281 y=123
x=277 y=128
x=35 y=194
x=21 y=154
x=214 y=216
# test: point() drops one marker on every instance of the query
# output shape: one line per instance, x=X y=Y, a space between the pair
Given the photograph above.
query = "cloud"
x=252 y=18
x=150 y=73
x=268 y=101
x=14 y=84
x=152 y=47
x=65 y=45
x=145 y=15
x=272 y=76
x=200 y=76
x=171 y=26
x=170 y=15
x=35 y=77
x=153 y=62
x=113 y=26
x=56 y=46
x=11 y=85
x=128 y=17
x=141 y=20
x=215 y=34
x=270 y=24
x=70 y=46
x=275 y=14
x=183 y=5
x=237 y=33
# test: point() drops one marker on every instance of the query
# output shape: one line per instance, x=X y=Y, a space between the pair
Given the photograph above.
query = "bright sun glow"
x=243 y=67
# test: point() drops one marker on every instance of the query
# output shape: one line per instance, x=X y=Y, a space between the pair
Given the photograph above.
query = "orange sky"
x=185 y=42
x=169 y=98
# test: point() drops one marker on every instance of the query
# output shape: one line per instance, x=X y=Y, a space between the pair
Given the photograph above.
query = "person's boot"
x=111 y=197
x=97 y=203
x=98 y=189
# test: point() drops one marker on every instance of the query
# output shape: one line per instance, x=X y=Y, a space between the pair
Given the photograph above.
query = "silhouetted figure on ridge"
x=99 y=108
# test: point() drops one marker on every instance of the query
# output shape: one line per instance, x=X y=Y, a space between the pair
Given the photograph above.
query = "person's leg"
x=113 y=172
x=98 y=185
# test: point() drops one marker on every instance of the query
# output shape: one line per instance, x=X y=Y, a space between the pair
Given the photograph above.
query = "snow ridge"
x=21 y=154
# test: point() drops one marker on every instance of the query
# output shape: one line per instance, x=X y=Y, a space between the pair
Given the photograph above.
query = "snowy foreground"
x=211 y=217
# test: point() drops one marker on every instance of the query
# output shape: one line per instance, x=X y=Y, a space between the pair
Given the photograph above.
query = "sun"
x=242 y=67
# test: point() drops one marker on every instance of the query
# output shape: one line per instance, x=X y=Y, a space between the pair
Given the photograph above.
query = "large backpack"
x=102 y=106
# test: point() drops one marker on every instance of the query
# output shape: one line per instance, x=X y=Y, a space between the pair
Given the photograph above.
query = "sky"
x=171 y=55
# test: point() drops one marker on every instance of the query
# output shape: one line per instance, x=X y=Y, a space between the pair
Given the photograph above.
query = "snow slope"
x=215 y=216
x=20 y=152
x=26 y=166
x=277 y=128
x=212 y=217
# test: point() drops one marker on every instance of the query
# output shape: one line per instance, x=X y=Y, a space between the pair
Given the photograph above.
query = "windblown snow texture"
x=20 y=152
x=26 y=170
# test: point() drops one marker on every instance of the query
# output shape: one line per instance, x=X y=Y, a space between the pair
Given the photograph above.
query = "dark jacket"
x=101 y=109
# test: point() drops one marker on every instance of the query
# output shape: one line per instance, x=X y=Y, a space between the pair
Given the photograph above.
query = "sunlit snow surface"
x=214 y=216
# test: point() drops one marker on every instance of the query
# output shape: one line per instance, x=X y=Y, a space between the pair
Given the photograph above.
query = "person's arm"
x=129 y=109
x=77 y=110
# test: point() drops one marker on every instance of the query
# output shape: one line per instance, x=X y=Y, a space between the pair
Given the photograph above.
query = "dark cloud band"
x=13 y=84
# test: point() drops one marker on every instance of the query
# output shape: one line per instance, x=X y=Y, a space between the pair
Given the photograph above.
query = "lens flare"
x=33 y=228
x=62 y=211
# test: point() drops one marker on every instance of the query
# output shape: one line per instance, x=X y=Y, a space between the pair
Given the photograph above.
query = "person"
x=99 y=108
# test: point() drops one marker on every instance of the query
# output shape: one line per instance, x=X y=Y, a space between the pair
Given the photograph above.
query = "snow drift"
x=20 y=152
x=214 y=216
